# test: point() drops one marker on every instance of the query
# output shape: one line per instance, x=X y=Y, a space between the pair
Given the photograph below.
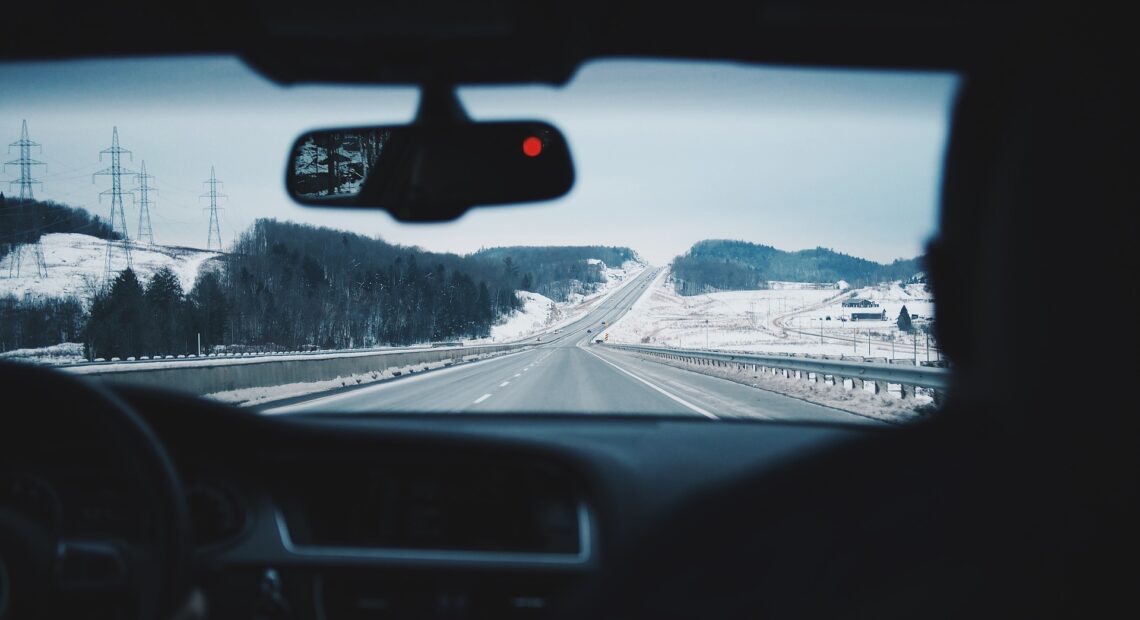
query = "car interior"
x=1018 y=499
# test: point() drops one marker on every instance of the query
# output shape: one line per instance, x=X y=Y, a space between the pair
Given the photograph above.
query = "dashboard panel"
x=437 y=516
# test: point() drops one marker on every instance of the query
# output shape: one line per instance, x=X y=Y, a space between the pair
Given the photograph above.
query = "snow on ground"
x=735 y=318
x=75 y=265
x=785 y=318
x=541 y=314
x=64 y=353
x=538 y=313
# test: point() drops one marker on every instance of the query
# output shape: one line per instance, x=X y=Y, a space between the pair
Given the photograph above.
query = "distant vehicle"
x=539 y=339
x=598 y=341
x=828 y=318
x=589 y=331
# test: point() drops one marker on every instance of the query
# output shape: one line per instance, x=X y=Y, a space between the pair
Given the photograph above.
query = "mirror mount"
x=440 y=106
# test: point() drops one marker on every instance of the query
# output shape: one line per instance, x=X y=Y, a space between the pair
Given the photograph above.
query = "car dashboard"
x=429 y=515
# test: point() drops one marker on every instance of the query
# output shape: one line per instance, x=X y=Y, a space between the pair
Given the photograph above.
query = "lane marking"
x=659 y=389
x=383 y=385
x=504 y=384
x=481 y=399
x=526 y=369
x=518 y=374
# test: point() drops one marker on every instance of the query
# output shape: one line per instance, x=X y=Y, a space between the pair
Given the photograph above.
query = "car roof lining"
x=520 y=42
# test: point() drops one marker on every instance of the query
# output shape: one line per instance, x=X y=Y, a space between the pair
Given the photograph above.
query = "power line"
x=25 y=162
x=146 y=233
x=118 y=217
x=214 y=236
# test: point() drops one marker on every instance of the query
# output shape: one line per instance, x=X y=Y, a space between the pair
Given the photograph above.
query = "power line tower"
x=25 y=162
x=16 y=263
x=118 y=217
x=142 y=193
x=214 y=236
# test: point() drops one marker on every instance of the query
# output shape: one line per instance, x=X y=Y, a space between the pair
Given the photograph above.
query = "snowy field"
x=64 y=353
x=786 y=318
x=541 y=314
x=75 y=266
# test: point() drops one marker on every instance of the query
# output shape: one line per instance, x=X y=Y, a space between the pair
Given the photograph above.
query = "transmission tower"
x=142 y=193
x=118 y=217
x=37 y=252
x=214 y=236
x=25 y=162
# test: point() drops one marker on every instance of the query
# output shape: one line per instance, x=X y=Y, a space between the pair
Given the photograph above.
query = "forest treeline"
x=25 y=221
x=558 y=271
x=288 y=286
x=720 y=265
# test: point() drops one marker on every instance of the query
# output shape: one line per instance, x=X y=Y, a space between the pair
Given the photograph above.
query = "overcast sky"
x=666 y=153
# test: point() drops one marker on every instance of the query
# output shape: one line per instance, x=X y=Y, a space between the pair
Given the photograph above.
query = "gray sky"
x=666 y=153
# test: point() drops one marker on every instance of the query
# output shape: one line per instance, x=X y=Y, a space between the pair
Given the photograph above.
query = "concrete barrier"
x=208 y=377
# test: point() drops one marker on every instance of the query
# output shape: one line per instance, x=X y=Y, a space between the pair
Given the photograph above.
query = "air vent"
x=216 y=516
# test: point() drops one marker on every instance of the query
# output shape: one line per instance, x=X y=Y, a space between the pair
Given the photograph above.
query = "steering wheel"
x=117 y=541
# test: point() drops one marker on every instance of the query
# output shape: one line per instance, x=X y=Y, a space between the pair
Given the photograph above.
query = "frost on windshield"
x=335 y=164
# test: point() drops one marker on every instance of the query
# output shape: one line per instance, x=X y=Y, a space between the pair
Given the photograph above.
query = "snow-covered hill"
x=75 y=266
x=785 y=318
x=540 y=313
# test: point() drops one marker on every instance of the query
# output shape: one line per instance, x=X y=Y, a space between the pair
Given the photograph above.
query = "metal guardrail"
x=937 y=379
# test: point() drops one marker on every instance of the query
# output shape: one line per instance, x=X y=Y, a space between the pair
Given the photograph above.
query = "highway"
x=568 y=373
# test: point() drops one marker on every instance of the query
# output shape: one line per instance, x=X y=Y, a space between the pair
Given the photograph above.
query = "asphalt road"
x=568 y=373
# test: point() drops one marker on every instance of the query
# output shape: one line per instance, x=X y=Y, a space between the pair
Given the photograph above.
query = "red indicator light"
x=532 y=146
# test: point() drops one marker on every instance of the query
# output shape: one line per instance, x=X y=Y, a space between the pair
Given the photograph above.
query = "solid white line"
x=672 y=396
x=481 y=399
x=504 y=384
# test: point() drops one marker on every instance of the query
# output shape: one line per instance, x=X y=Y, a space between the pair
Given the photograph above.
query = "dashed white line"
x=504 y=384
x=481 y=399
x=518 y=375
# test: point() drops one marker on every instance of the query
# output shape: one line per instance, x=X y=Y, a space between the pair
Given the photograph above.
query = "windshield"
x=740 y=242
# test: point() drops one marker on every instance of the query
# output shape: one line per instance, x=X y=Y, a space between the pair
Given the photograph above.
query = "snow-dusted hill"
x=75 y=266
x=784 y=318
x=540 y=313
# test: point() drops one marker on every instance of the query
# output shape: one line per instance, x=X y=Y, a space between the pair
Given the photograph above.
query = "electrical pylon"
x=26 y=182
x=25 y=162
x=214 y=236
x=37 y=251
x=118 y=217
x=142 y=193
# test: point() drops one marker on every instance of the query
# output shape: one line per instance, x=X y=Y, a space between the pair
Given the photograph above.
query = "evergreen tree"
x=209 y=310
x=167 y=313
x=118 y=323
x=904 y=321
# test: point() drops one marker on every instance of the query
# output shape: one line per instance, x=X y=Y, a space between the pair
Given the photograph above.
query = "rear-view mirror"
x=430 y=172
